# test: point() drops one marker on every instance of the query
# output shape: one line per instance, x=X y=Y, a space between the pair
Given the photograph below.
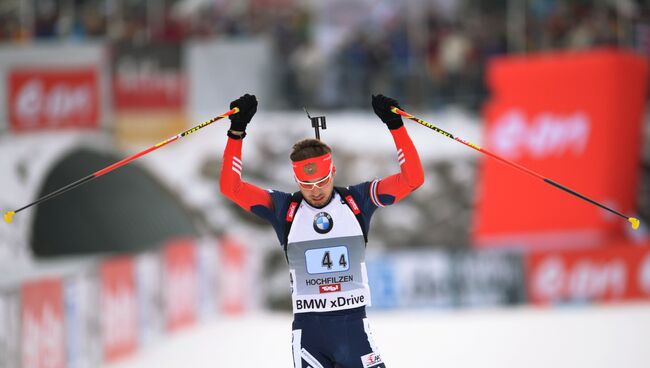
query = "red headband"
x=313 y=168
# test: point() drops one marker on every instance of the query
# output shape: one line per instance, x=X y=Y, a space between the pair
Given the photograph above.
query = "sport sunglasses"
x=317 y=184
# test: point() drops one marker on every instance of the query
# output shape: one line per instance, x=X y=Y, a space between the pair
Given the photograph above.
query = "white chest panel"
x=344 y=223
x=326 y=254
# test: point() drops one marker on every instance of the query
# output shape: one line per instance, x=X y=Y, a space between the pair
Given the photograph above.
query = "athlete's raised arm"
x=393 y=188
x=232 y=186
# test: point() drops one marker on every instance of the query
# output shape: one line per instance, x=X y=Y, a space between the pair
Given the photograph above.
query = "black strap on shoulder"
x=345 y=194
x=294 y=202
x=354 y=207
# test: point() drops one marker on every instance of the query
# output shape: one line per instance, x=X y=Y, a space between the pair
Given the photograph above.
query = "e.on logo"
x=544 y=135
x=53 y=98
x=555 y=279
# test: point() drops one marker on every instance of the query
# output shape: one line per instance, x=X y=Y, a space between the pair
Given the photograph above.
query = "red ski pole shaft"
x=632 y=220
x=8 y=216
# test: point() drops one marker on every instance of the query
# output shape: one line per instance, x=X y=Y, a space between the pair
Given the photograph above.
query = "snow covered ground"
x=581 y=336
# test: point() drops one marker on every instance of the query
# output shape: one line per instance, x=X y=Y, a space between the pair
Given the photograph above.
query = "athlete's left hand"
x=382 y=105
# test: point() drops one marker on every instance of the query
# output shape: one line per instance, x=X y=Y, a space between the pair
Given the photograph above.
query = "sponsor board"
x=208 y=263
x=614 y=273
x=424 y=279
x=42 y=324
x=53 y=98
x=119 y=323
x=446 y=279
x=148 y=125
x=148 y=274
x=9 y=329
x=81 y=301
x=381 y=276
x=181 y=283
x=233 y=280
x=547 y=114
x=488 y=278
x=149 y=92
x=148 y=76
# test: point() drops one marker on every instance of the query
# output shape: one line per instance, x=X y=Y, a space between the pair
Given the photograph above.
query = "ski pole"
x=632 y=220
x=8 y=216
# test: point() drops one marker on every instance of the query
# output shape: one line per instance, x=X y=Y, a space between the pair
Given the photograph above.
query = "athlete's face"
x=318 y=192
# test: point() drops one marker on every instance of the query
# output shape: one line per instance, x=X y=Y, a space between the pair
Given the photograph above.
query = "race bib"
x=326 y=260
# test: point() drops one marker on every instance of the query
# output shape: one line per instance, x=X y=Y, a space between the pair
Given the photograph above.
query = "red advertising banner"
x=612 y=273
x=53 y=98
x=43 y=334
x=232 y=276
x=181 y=283
x=147 y=77
x=118 y=308
x=137 y=92
x=149 y=91
x=575 y=118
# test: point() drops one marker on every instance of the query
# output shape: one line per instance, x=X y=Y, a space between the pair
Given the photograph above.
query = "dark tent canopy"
x=124 y=210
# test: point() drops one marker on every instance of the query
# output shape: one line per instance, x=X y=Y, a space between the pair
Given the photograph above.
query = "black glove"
x=382 y=105
x=247 y=105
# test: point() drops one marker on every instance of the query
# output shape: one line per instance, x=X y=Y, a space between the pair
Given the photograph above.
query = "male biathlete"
x=323 y=230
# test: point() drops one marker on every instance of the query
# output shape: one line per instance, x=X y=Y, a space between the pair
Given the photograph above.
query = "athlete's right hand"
x=247 y=105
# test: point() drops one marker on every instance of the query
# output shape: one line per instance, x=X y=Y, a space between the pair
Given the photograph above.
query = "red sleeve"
x=393 y=188
x=244 y=194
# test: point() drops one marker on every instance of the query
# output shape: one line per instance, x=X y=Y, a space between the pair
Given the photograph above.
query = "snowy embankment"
x=581 y=336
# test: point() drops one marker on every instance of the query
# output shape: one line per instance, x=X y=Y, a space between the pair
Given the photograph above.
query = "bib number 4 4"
x=324 y=260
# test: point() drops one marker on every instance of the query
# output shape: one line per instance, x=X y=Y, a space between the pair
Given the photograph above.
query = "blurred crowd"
x=429 y=52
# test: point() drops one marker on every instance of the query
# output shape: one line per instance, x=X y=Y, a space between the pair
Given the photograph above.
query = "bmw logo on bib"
x=323 y=223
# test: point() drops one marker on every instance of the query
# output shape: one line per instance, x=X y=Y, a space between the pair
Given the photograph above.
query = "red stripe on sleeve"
x=246 y=195
x=411 y=175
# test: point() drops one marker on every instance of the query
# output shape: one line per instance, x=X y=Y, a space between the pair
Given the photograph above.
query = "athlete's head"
x=313 y=170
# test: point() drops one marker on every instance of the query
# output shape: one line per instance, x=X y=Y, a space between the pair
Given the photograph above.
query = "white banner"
x=221 y=71
x=81 y=303
x=9 y=329
x=148 y=274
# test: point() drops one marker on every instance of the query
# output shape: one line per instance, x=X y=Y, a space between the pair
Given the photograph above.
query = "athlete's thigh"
x=306 y=348
x=361 y=350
